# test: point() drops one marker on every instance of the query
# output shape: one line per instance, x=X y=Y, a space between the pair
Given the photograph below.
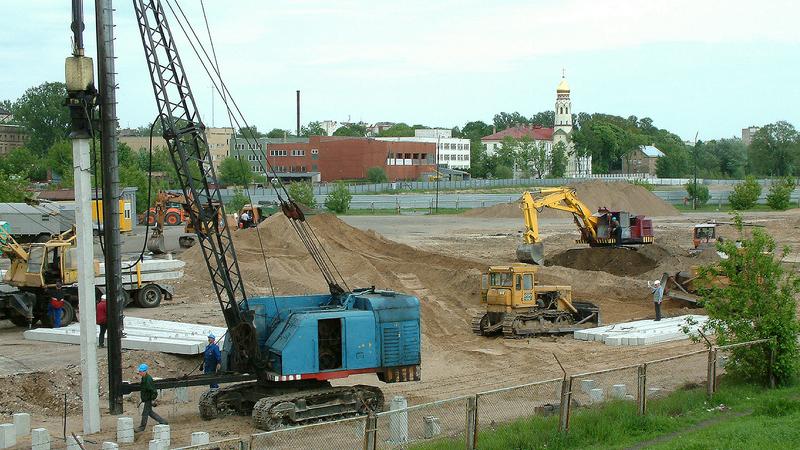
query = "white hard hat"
x=657 y=282
x=103 y=297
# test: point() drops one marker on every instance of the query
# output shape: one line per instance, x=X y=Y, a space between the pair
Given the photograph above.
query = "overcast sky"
x=711 y=67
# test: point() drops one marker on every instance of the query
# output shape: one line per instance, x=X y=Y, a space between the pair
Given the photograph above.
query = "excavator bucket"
x=531 y=253
x=156 y=245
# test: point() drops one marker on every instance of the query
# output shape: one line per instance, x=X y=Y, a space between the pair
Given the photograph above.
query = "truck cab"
x=507 y=288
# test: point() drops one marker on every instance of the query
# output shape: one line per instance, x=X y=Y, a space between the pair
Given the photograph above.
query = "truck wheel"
x=172 y=219
x=149 y=296
x=68 y=315
x=17 y=318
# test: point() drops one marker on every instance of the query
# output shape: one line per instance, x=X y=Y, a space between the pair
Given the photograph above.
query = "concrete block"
x=125 y=430
x=8 y=435
x=182 y=394
x=199 y=437
x=22 y=424
x=587 y=386
x=156 y=444
x=161 y=433
x=432 y=427
x=73 y=444
x=596 y=395
x=629 y=397
x=653 y=391
x=398 y=421
x=40 y=439
x=618 y=391
x=110 y=446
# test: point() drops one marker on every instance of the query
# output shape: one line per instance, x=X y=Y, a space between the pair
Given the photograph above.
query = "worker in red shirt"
x=102 y=316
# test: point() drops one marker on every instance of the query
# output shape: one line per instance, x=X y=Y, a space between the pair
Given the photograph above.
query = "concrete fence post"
x=40 y=439
x=566 y=400
x=125 y=430
x=711 y=376
x=199 y=438
x=8 y=435
x=472 y=423
x=370 y=432
x=641 y=390
x=22 y=424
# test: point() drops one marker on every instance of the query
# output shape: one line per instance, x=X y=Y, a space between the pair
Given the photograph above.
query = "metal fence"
x=461 y=421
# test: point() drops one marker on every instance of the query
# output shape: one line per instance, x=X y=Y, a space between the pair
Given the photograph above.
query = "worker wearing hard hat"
x=658 y=296
x=147 y=389
x=212 y=358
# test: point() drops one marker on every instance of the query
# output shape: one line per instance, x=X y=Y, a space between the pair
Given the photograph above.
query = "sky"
x=705 y=67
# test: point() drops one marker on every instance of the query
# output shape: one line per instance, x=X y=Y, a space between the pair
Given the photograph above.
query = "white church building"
x=548 y=137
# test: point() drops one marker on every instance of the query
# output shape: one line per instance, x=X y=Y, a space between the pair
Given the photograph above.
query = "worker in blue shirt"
x=212 y=358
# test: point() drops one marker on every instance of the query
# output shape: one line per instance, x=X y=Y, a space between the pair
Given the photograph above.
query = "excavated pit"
x=616 y=261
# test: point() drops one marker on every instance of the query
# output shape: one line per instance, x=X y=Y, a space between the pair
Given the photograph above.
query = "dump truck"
x=35 y=269
x=516 y=305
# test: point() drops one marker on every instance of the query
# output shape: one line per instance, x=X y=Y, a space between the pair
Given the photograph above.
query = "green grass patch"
x=670 y=421
x=403 y=211
x=712 y=207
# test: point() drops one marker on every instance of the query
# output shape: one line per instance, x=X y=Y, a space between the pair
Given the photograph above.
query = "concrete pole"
x=86 y=297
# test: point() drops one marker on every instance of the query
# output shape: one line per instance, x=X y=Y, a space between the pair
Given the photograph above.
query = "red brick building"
x=347 y=158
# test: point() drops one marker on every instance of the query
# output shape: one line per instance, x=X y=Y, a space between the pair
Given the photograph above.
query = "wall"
x=350 y=158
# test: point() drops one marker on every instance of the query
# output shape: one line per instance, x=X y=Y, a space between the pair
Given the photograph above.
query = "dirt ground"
x=439 y=259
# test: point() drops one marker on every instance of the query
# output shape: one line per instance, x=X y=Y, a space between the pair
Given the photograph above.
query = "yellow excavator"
x=516 y=305
x=597 y=229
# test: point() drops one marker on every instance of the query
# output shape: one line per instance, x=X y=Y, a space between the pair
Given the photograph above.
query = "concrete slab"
x=143 y=334
x=643 y=332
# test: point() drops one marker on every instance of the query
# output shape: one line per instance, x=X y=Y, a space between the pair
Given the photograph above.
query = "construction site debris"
x=645 y=332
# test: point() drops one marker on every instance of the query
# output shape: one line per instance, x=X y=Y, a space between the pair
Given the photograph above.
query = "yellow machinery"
x=517 y=305
x=125 y=214
x=596 y=229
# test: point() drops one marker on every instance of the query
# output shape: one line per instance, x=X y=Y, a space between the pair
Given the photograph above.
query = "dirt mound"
x=616 y=261
x=595 y=194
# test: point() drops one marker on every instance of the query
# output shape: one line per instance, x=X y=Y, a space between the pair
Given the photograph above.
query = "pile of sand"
x=595 y=194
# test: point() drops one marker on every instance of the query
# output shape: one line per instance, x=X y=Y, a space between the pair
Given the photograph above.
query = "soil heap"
x=595 y=194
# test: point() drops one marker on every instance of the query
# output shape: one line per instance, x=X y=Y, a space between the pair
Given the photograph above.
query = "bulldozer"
x=596 y=228
x=516 y=305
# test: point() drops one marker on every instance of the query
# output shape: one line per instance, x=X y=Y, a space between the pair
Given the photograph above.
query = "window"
x=298 y=153
x=527 y=281
x=314 y=151
x=313 y=167
x=519 y=282
x=484 y=282
x=500 y=279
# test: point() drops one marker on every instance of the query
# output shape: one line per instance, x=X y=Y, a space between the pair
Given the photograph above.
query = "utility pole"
x=81 y=95
x=298 y=113
x=694 y=152
x=111 y=195
x=438 y=174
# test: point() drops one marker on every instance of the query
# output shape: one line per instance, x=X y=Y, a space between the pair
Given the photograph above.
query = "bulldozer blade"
x=531 y=253
x=156 y=245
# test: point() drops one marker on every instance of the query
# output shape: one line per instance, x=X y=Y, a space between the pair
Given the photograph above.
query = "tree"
x=700 y=196
x=302 y=193
x=673 y=164
x=503 y=172
x=376 y=175
x=505 y=120
x=41 y=111
x=21 y=161
x=237 y=201
x=59 y=160
x=13 y=188
x=745 y=194
x=775 y=149
x=398 y=130
x=277 y=133
x=558 y=160
x=545 y=119
x=779 y=196
x=235 y=172
x=338 y=200
x=313 y=129
x=250 y=132
x=757 y=302
x=352 y=130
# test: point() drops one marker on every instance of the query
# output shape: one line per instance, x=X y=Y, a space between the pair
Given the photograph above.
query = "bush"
x=503 y=172
x=302 y=193
x=753 y=298
x=779 y=196
x=237 y=201
x=643 y=183
x=745 y=194
x=701 y=196
x=376 y=175
x=338 y=200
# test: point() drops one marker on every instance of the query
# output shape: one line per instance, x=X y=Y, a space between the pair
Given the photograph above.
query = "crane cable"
x=309 y=238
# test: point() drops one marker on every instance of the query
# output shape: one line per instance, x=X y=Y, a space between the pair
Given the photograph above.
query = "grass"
x=712 y=207
x=403 y=211
x=683 y=419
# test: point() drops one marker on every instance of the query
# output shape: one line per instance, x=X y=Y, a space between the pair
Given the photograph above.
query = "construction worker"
x=149 y=394
x=244 y=220
x=658 y=296
x=212 y=358
x=102 y=317
x=55 y=309
x=616 y=232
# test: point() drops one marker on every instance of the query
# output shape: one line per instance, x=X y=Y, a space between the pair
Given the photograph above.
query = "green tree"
x=505 y=120
x=235 y=172
x=59 y=160
x=558 y=160
x=352 y=130
x=506 y=155
x=250 y=132
x=338 y=200
x=545 y=119
x=758 y=302
x=700 y=196
x=398 y=130
x=23 y=162
x=237 y=201
x=376 y=175
x=674 y=164
x=779 y=196
x=41 y=111
x=503 y=172
x=302 y=193
x=745 y=194
x=13 y=188
x=313 y=129
x=479 y=164
x=775 y=149
x=277 y=133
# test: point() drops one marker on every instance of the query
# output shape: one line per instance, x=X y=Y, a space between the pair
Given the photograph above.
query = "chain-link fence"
x=500 y=406
x=226 y=444
x=345 y=434
x=721 y=357
x=404 y=426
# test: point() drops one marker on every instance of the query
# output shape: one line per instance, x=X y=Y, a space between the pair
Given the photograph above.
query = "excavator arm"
x=156 y=241
x=562 y=199
x=10 y=247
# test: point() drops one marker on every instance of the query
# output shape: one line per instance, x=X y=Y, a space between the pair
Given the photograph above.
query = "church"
x=561 y=132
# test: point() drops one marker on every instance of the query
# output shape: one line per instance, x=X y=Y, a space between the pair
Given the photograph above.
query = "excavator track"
x=319 y=405
x=476 y=323
x=539 y=322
